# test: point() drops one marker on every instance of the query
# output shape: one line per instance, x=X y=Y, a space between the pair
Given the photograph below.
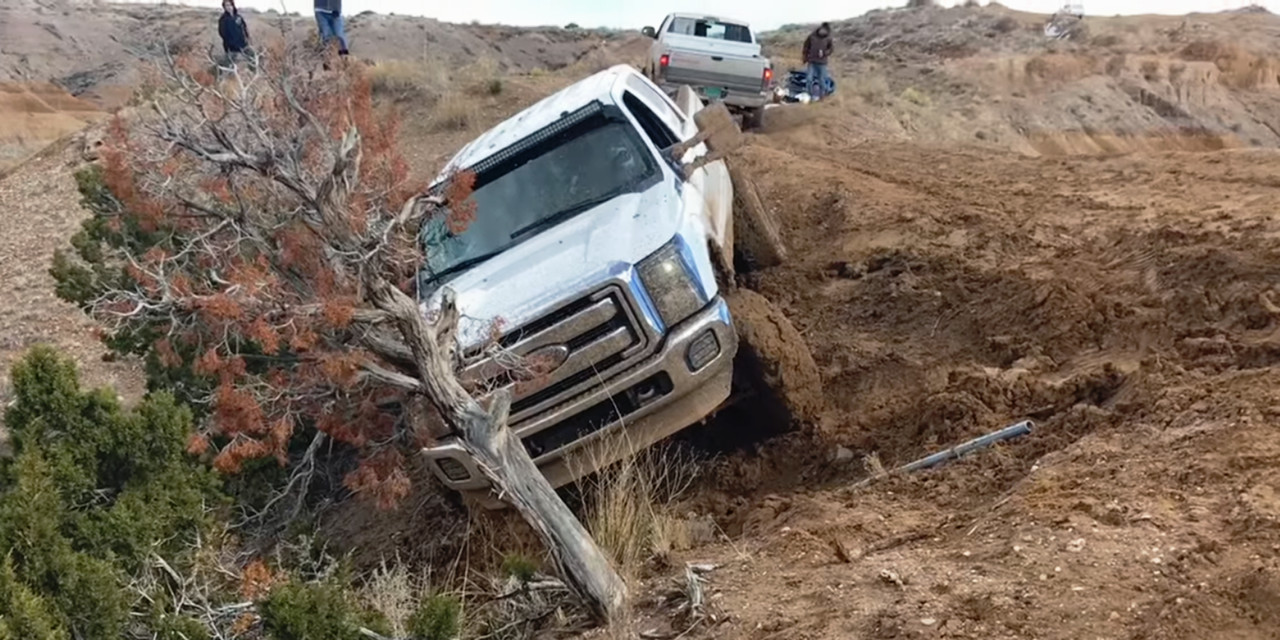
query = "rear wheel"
x=756 y=234
x=774 y=364
x=753 y=119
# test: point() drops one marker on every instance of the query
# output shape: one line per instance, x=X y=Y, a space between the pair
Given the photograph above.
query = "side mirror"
x=649 y=32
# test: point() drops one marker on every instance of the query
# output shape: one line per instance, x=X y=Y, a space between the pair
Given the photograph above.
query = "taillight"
x=664 y=60
x=768 y=77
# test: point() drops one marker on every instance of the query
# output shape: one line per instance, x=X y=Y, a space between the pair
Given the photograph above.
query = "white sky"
x=763 y=14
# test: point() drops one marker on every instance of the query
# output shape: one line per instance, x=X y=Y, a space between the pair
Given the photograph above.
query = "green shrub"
x=439 y=617
x=93 y=491
x=23 y=614
x=519 y=566
x=297 y=611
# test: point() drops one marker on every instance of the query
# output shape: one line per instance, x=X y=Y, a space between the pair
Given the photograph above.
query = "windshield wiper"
x=561 y=215
x=465 y=264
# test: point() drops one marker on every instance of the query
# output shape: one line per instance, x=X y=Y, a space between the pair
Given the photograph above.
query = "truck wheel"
x=755 y=230
x=774 y=363
x=753 y=119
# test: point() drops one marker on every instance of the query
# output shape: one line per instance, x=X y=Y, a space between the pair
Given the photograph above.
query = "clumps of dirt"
x=1243 y=606
x=950 y=302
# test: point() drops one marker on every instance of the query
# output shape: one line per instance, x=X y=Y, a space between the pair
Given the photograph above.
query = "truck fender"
x=713 y=181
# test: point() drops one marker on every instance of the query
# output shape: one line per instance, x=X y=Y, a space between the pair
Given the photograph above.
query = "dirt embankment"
x=989 y=76
x=1127 y=304
x=33 y=116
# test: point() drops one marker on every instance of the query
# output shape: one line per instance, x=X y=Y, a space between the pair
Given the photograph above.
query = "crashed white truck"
x=719 y=58
x=597 y=281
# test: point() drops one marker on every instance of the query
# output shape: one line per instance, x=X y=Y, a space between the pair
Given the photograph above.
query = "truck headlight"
x=670 y=284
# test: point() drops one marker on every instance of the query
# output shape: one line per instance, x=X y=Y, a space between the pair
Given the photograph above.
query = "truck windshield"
x=711 y=28
x=584 y=166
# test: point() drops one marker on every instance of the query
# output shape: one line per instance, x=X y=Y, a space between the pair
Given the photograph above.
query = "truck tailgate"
x=719 y=69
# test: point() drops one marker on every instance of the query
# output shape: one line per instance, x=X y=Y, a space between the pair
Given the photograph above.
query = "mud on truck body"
x=604 y=262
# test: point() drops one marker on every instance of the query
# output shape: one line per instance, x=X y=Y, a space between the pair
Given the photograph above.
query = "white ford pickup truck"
x=610 y=262
x=718 y=57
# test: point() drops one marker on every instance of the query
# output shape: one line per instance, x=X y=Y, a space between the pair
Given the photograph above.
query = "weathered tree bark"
x=501 y=456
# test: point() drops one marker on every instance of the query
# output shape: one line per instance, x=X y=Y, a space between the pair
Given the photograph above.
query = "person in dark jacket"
x=234 y=31
x=817 y=51
x=329 y=20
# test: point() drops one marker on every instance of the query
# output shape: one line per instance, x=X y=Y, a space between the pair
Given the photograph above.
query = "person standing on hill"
x=329 y=20
x=233 y=30
x=817 y=50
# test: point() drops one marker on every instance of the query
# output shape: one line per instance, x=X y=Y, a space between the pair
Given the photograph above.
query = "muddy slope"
x=1128 y=305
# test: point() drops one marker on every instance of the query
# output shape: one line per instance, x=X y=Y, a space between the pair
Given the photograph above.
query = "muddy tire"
x=753 y=119
x=756 y=235
x=774 y=362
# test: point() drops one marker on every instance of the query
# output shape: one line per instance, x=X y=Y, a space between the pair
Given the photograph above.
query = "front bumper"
x=630 y=412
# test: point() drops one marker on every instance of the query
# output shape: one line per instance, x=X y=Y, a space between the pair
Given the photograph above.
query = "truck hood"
x=562 y=263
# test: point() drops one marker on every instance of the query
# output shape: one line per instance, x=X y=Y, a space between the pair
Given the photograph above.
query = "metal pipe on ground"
x=1008 y=433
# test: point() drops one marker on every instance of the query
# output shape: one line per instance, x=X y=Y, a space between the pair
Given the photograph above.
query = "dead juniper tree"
x=256 y=234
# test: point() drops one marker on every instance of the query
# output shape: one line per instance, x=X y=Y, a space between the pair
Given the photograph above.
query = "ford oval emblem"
x=544 y=360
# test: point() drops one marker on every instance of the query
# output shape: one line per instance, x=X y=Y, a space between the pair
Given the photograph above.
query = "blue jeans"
x=331 y=27
x=817 y=82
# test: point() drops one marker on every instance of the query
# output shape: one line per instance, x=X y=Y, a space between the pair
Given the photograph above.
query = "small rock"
x=928 y=622
x=1076 y=546
x=891 y=577
x=843 y=455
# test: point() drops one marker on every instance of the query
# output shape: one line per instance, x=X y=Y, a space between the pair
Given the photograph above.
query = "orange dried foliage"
x=197 y=444
x=254 y=278
x=218 y=187
x=180 y=285
x=243 y=624
x=221 y=307
x=265 y=335
x=237 y=412
x=154 y=256
x=341 y=368
x=256 y=580
x=304 y=340
x=233 y=456
x=209 y=363
x=338 y=312
x=381 y=477
x=462 y=209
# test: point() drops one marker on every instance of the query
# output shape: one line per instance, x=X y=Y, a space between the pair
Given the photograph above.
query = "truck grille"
x=589 y=339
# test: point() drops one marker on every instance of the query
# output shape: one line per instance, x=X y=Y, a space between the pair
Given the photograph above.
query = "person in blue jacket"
x=233 y=30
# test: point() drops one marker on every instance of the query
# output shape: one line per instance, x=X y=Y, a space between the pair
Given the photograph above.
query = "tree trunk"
x=500 y=455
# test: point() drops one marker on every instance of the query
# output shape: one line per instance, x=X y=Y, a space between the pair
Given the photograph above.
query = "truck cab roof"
x=599 y=86
x=708 y=16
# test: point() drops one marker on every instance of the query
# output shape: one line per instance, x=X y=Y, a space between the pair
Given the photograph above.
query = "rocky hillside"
x=63 y=62
x=89 y=48
x=990 y=75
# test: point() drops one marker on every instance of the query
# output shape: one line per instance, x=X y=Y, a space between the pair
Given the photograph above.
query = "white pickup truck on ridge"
x=719 y=58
